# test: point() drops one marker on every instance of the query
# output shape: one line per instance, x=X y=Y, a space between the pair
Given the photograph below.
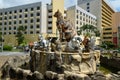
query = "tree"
x=0 y=35
x=89 y=30
x=107 y=45
x=20 y=34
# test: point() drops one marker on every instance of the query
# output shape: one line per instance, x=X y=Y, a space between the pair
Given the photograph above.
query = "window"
x=25 y=21
x=31 y=26
x=77 y=11
x=14 y=33
x=80 y=17
x=25 y=32
x=88 y=3
x=9 y=28
x=80 y=23
x=0 y=13
x=14 y=27
x=25 y=15
x=25 y=27
x=4 y=33
x=20 y=10
x=10 y=12
x=10 y=23
x=38 y=14
x=83 y=19
x=31 y=14
x=50 y=10
x=5 y=28
x=50 y=22
x=31 y=20
x=5 y=23
x=20 y=16
x=37 y=32
x=10 y=17
x=0 y=23
x=5 y=18
x=14 y=22
x=15 y=17
x=15 y=11
x=31 y=32
x=77 y=16
x=49 y=27
x=20 y=22
x=9 y=32
x=37 y=26
x=88 y=8
x=5 y=13
x=76 y=22
x=81 y=13
x=26 y=10
x=49 y=16
x=31 y=9
x=38 y=8
x=0 y=18
x=38 y=20
x=77 y=27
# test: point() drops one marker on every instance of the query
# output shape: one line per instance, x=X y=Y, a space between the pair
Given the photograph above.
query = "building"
x=80 y=17
x=103 y=11
x=51 y=20
x=116 y=28
x=31 y=16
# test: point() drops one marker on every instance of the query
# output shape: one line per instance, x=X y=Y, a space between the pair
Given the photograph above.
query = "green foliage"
x=0 y=35
x=89 y=29
x=20 y=34
x=7 y=48
x=104 y=70
x=107 y=45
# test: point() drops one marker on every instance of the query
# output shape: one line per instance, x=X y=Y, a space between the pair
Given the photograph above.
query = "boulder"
x=49 y=75
x=37 y=76
x=74 y=76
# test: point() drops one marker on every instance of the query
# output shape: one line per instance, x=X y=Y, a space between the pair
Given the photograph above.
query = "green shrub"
x=7 y=47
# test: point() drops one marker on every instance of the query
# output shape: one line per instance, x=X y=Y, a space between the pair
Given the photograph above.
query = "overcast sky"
x=11 y=3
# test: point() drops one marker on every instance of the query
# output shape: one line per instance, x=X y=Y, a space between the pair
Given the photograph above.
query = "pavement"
x=4 y=56
x=13 y=53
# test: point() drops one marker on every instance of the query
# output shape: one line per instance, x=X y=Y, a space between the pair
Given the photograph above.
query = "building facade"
x=80 y=17
x=51 y=20
x=31 y=16
x=103 y=11
x=116 y=28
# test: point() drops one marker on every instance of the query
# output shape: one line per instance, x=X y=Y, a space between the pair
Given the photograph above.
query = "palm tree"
x=89 y=30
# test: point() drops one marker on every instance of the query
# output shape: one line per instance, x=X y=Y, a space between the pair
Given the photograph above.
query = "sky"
x=10 y=3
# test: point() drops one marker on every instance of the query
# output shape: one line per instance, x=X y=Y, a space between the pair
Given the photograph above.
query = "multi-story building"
x=116 y=28
x=80 y=17
x=103 y=11
x=51 y=20
x=31 y=16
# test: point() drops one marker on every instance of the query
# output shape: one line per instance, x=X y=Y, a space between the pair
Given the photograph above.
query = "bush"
x=7 y=47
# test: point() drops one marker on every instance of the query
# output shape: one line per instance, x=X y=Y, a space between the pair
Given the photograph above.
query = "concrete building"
x=116 y=28
x=80 y=17
x=31 y=16
x=103 y=11
x=51 y=20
